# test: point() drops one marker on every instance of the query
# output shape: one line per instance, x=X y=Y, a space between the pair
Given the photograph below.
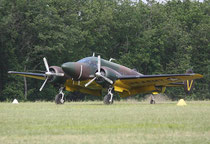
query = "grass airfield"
x=94 y=123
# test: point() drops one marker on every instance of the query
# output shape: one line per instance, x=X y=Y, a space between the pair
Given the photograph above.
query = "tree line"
x=152 y=37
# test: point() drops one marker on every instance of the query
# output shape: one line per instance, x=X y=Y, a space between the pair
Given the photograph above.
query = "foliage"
x=151 y=37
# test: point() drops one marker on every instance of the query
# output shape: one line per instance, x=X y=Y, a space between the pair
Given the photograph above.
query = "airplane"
x=92 y=75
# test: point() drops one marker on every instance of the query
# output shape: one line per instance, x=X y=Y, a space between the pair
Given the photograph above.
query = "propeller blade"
x=107 y=79
x=98 y=74
x=43 y=84
x=99 y=64
x=59 y=74
x=87 y=84
x=46 y=64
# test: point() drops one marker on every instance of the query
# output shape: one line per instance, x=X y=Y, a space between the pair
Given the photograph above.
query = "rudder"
x=188 y=84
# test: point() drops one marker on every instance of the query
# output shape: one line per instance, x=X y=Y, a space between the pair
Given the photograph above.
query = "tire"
x=58 y=99
x=107 y=98
x=152 y=102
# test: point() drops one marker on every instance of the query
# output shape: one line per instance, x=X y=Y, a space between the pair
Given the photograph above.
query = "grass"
x=93 y=122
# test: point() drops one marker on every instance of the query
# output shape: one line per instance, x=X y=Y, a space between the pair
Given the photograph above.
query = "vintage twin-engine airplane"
x=91 y=75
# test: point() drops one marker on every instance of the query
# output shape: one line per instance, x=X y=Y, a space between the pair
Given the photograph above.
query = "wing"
x=175 y=84
x=27 y=74
x=148 y=83
x=93 y=89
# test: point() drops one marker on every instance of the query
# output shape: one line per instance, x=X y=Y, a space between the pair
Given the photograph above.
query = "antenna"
x=111 y=59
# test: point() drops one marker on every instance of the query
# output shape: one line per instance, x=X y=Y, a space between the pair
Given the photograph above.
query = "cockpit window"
x=84 y=60
x=89 y=61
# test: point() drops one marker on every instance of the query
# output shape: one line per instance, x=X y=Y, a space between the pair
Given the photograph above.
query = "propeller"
x=48 y=73
x=98 y=74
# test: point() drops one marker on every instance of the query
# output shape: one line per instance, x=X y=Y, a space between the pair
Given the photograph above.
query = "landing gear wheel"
x=58 y=99
x=152 y=101
x=107 y=99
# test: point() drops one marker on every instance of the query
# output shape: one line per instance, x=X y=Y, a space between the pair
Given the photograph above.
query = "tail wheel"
x=152 y=101
x=58 y=99
x=107 y=98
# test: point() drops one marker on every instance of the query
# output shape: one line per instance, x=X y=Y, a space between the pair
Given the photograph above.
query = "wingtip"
x=200 y=75
x=12 y=72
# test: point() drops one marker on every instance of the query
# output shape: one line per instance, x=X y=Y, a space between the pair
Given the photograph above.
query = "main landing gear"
x=108 y=99
x=59 y=98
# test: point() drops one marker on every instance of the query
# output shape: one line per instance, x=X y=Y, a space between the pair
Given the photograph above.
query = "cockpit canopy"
x=92 y=61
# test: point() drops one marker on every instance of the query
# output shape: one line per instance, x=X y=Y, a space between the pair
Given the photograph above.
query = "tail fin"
x=188 y=84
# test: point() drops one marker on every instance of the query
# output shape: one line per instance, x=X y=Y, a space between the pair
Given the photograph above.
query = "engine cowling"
x=109 y=73
x=56 y=79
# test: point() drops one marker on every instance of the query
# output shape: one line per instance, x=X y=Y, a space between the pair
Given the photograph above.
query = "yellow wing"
x=130 y=85
x=30 y=75
x=93 y=88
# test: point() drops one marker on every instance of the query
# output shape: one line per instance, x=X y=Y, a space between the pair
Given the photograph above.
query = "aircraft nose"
x=69 y=68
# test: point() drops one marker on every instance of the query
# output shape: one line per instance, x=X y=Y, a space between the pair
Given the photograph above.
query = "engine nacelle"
x=109 y=73
x=56 y=79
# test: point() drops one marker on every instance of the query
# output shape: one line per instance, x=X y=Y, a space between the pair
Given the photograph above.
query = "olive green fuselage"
x=87 y=67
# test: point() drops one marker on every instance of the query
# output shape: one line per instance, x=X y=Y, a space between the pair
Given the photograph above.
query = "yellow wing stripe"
x=30 y=76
